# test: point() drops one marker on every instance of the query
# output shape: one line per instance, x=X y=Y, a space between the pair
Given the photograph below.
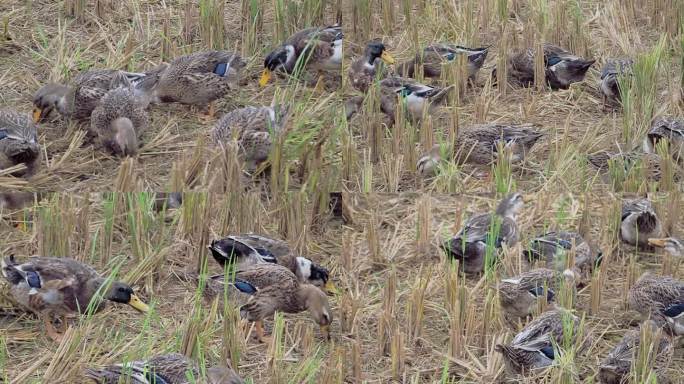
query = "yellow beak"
x=265 y=77
x=37 y=112
x=657 y=242
x=325 y=330
x=387 y=58
x=136 y=303
x=330 y=288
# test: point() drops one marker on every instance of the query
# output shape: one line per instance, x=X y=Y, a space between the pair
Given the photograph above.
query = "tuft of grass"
x=211 y=23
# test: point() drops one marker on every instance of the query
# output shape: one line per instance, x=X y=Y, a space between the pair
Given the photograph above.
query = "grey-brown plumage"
x=659 y=298
x=172 y=368
x=610 y=74
x=469 y=245
x=199 y=78
x=670 y=129
x=639 y=222
x=411 y=95
x=316 y=48
x=645 y=165
x=254 y=128
x=554 y=248
x=672 y=245
x=560 y=66
x=243 y=250
x=480 y=143
x=167 y=201
x=369 y=68
x=60 y=286
x=434 y=56
x=18 y=142
x=616 y=367
x=533 y=347
x=78 y=100
x=119 y=119
x=276 y=288
x=518 y=295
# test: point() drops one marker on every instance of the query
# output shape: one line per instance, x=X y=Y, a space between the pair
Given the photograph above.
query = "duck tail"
x=9 y=270
x=228 y=250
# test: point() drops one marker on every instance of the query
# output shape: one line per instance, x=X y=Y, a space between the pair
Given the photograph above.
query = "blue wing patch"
x=674 y=310
x=547 y=351
x=33 y=279
x=3 y=134
x=551 y=61
x=221 y=69
x=245 y=287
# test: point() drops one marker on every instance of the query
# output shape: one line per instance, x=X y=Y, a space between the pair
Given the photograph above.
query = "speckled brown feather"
x=651 y=294
x=478 y=143
x=514 y=295
x=116 y=104
x=18 y=142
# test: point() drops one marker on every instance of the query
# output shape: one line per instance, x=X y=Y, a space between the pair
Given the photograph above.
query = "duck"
x=533 y=347
x=435 y=55
x=519 y=295
x=609 y=85
x=671 y=245
x=250 y=248
x=561 y=67
x=274 y=288
x=639 y=222
x=554 y=248
x=367 y=69
x=670 y=129
x=254 y=128
x=167 y=201
x=428 y=164
x=480 y=143
x=660 y=298
x=18 y=142
x=469 y=245
x=78 y=100
x=198 y=79
x=616 y=367
x=643 y=165
x=61 y=286
x=170 y=368
x=415 y=96
x=320 y=49
x=119 y=119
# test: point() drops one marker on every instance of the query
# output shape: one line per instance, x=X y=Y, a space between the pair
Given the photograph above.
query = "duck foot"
x=210 y=115
x=260 y=333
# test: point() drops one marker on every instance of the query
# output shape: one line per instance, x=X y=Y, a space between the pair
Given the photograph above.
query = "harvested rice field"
x=341 y=191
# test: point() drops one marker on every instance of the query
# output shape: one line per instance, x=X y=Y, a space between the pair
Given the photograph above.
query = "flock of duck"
x=268 y=275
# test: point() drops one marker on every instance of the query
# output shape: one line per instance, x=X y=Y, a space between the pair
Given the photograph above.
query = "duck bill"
x=657 y=242
x=265 y=78
x=325 y=330
x=37 y=114
x=330 y=288
x=387 y=58
x=138 y=304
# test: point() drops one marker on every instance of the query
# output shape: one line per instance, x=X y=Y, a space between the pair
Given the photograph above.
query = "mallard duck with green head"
x=18 y=142
x=368 y=69
x=317 y=49
x=60 y=286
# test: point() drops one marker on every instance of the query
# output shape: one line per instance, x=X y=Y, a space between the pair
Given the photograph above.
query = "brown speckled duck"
x=469 y=245
x=199 y=79
x=321 y=48
x=248 y=249
x=368 y=69
x=275 y=288
x=435 y=55
x=639 y=222
x=518 y=295
x=561 y=67
x=670 y=129
x=660 y=298
x=616 y=367
x=480 y=143
x=18 y=142
x=119 y=119
x=610 y=73
x=61 y=286
x=172 y=368
x=643 y=165
x=534 y=347
x=254 y=128
x=78 y=100
x=554 y=248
